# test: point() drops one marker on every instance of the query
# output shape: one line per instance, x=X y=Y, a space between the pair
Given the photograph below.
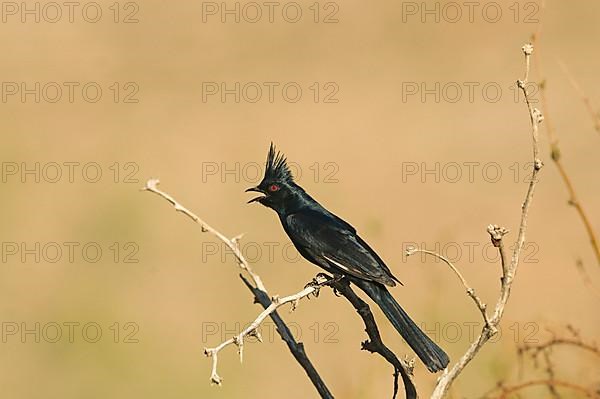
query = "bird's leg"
x=333 y=283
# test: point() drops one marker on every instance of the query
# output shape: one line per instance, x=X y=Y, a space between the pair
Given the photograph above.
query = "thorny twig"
x=258 y=289
x=152 y=186
x=252 y=329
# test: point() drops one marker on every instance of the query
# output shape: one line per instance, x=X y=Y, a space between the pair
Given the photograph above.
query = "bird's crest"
x=277 y=167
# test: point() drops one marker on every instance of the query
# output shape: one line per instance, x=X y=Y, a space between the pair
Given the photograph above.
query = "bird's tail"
x=432 y=355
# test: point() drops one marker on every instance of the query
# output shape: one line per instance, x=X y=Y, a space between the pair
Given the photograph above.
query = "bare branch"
x=556 y=156
x=536 y=349
x=260 y=294
x=587 y=281
x=152 y=186
x=295 y=347
x=252 y=329
x=470 y=291
x=375 y=344
x=584 y=97
x=543 y=351
x=496 y=234
x=506 y=391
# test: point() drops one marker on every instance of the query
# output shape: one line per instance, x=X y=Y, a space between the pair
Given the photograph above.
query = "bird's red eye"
x=273 y=187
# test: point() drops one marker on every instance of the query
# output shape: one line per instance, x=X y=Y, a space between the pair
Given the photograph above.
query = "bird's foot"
x=318 y=282
x=322 y=280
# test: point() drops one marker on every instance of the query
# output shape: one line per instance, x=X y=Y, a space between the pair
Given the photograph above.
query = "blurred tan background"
x=357 y=157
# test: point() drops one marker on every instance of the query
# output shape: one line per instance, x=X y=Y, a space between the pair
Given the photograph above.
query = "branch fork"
x=252 y=329
x=509 y=267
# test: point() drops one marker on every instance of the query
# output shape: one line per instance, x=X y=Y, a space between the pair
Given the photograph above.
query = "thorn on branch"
x=239 y=342
x=294 y=305
x=256 y=334
x=236 y=239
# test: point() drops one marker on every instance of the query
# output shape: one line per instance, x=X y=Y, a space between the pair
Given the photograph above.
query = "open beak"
x=258 y=190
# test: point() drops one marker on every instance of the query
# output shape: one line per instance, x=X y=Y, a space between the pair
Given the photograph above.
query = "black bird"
x=331 y=243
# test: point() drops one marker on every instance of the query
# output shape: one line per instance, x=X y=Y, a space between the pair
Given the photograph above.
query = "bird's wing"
x=325 y=238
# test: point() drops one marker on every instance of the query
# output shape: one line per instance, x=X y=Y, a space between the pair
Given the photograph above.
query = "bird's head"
x=277 y=188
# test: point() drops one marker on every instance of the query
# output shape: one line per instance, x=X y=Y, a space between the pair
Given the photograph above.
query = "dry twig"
x=556 y=155
x=497 y=233
x=252 y=329
x=258 y=289
x=232 y=244
x=470 y=291
x=535 y=349
x=543 y=350
x=584 y=97
x=505 y=392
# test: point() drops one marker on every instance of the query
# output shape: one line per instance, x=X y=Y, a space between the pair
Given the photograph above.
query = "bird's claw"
x=322 y=279
x=318 y=282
